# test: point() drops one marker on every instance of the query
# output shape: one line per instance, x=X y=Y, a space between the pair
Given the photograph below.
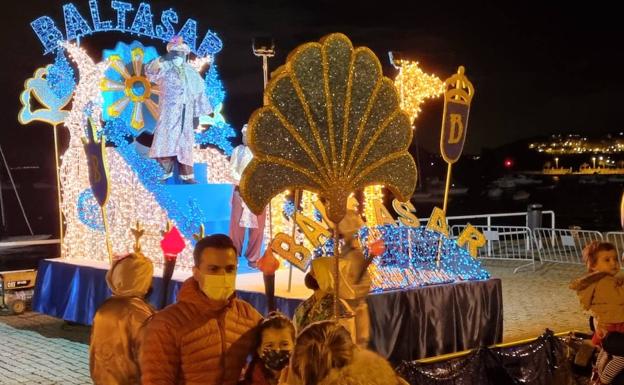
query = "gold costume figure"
x=118 y=323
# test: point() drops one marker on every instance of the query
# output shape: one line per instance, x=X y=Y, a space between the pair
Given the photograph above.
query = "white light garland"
x=129 y=200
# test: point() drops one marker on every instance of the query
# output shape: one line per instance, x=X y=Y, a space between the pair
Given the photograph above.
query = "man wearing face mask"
x=182 y=100
x=206 y=336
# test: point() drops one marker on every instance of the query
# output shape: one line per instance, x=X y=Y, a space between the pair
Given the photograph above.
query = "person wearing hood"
x=601 y=290
x=353 y=287
x=118 y=324
x=206 y=337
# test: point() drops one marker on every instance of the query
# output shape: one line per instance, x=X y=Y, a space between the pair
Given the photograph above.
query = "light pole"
x=594 y=161
x=264 y=47
x=556 y=162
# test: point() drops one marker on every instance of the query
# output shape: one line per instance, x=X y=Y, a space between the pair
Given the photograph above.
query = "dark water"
x=590 y=206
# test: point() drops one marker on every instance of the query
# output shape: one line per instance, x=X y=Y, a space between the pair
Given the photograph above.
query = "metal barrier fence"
x=500 y=219
x=563 y=245
x=504 y=243
x=617 y=238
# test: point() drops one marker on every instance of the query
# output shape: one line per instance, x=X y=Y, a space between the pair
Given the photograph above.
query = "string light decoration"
x=416 y=86
x=135 y=191
x=307 y=203
x=218 y=134
x=61 y=76
x=279 y=222
x=127 y=92
x=371 y=195
x=89 y=211
x=76 y=26
x=410 y=258
x=307 y=209
x=218 y=164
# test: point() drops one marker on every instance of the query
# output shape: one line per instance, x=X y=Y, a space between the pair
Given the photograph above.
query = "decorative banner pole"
x=268 y=264
x=58 y=185
x=294 y=227
x=457 y=98
x=98 y=176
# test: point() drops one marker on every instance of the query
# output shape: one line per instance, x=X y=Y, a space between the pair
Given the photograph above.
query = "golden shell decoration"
x=331 y=124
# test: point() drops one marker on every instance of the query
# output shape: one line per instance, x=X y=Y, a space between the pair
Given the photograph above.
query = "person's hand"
x=283 y=379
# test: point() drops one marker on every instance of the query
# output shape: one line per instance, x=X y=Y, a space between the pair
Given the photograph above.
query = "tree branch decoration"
x=331 y=124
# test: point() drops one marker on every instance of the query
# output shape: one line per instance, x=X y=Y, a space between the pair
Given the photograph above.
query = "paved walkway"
x=537 y=300
x=37 y=349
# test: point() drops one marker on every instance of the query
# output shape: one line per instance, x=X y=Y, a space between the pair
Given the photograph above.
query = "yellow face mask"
x=218 y=287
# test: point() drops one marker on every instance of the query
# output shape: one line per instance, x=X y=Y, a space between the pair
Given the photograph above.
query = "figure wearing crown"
x=182 y=101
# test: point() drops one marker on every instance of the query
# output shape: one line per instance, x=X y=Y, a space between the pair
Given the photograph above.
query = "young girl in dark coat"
x=276 y=340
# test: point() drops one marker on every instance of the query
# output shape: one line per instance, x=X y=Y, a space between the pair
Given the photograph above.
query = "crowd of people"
x=209 y=336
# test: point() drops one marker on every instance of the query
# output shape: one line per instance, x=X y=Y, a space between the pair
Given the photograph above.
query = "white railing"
x=502 y=219
x=563 y=245
x=30 y=243
x=504 y=243
x=617 y=238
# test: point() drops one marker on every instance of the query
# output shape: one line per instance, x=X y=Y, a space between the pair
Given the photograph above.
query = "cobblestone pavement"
x=540 y=299
x=37 y=349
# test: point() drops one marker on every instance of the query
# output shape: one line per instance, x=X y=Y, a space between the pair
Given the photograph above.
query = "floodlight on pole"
x=264 y=47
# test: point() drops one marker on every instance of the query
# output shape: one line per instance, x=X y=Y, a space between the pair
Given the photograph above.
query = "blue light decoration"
x=166 y=31
x=116 y=132
x=77 y=26
x=187 y=217
x=219 y=133
x=89 y=211
x=214 y=86
x=98 y=25
x=61 y=76
x=289 y=208
x=122 y=8
x=119 y=91
x=410 y=259
x=325 y=250
x=143 y=21
x=189 y=33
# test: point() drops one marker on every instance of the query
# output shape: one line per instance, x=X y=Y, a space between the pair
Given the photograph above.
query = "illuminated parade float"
x=151 y=166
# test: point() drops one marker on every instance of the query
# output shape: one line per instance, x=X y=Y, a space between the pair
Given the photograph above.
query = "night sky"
x=537 y=69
